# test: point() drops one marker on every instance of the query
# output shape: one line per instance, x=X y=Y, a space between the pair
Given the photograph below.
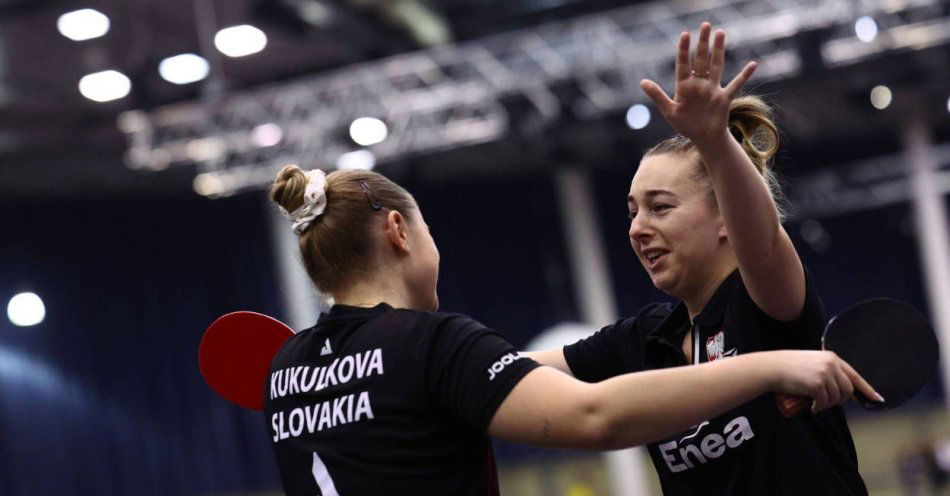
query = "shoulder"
x=647 y=317
x=428 y=328
x=435 y=320
x=650 y=316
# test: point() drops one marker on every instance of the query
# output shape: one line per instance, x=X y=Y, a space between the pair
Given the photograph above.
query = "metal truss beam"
x=863 y=185
x=453 y=95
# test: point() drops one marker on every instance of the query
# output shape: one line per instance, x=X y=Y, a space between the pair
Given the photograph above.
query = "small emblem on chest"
x=715 y=345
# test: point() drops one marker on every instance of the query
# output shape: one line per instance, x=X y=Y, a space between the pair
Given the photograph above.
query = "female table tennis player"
x=706 y=228
x=384 y=396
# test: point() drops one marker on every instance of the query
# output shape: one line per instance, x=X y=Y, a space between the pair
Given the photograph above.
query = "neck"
x=697 y=299
x=370 y=294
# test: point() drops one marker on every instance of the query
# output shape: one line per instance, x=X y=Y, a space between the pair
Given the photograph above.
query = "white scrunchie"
x=314 y=201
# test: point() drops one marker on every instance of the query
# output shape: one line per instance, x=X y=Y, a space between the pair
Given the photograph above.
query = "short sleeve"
x=603 y=354
x=470 y=369
x=805 y=331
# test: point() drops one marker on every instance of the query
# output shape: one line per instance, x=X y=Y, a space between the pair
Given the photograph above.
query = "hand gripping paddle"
x=888 y=342
x=235 y=355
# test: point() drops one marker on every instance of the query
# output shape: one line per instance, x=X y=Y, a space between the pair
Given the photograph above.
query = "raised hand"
x=699 y=109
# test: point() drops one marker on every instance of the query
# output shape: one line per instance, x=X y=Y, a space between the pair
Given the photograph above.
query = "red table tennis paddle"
x=235 y=355
x=888 y=342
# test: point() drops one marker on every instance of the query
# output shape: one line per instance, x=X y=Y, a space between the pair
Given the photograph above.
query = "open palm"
x=699 y=109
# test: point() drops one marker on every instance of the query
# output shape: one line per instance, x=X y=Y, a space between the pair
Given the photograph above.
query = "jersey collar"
x=675 y=325
x=347 y=312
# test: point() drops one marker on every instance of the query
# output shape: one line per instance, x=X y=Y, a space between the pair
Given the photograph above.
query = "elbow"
x=602 y=430
x=602 y=434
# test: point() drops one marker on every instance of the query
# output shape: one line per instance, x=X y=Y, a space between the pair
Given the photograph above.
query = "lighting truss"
x=863 y=185
x=452 y=96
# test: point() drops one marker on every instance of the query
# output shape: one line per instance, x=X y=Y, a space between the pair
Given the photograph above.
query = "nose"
x=639 y=229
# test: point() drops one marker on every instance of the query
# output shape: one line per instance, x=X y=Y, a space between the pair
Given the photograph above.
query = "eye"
x=632 y=214
x=660 y=207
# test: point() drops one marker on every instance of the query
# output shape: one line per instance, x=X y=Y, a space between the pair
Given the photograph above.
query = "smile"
x=654 y=257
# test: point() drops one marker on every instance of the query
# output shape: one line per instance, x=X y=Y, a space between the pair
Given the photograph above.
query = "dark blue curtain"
x=104 y=397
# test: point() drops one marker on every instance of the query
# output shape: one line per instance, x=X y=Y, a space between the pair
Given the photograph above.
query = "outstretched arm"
x=699 y=110
x=548 y=408
x=551 y=358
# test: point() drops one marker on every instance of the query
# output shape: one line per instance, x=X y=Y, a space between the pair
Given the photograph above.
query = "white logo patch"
x=500 y=365
x=715 y=345
x=326 y=350
x=713 y=446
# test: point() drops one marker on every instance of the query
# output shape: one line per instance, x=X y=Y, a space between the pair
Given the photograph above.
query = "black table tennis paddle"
x=888 y=342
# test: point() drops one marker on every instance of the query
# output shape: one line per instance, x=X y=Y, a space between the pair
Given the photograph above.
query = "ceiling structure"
x=554 y=74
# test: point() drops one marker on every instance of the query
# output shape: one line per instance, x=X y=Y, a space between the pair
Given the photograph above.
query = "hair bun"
x=750 y=122
x=288 y=188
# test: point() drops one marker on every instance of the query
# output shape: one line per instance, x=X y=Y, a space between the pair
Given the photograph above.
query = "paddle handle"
x=790 y=405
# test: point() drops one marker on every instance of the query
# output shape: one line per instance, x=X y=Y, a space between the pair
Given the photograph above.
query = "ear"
x=721 y=227
x=396 y=232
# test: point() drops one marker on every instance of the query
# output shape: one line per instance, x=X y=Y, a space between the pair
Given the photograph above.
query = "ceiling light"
x=266 y=135
x=183 y=69
x=84 y=24
x=638 y=116
x=359 y=159
x=26 y=309
x=881 y=97
x=105 y=86
x=866 y=29
x=367 y=131
x=238 y=41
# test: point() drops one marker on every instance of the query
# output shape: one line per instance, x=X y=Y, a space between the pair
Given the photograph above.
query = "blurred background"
x=136 y=138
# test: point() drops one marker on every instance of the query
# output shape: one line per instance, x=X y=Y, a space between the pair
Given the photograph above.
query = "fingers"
x=859 y=383
x=821 y=398
x=682 y=57
x=718 y=58
x=832 y=392
x=844 y=384
x=701 y=60
x=660 y=99
x=739 y=81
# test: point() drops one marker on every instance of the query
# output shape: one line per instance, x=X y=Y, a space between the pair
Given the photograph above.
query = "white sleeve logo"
x=500 y=365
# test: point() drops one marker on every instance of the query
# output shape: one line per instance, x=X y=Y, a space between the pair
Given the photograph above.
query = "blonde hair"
x=337 y=247
x=751 y=123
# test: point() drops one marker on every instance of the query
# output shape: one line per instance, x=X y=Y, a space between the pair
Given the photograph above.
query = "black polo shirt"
x=386 y=401
x=752 y=449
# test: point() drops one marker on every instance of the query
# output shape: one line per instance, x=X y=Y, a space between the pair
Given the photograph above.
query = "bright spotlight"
x=367 y=131
x=948 y=104
x=105 y=86
x=26 y=309
x=266 y=135
x=881 y=97
x=866 y=29
x=238 y=41
x=84 y=24
x=359 y=159
x=208 y=184
x=638 y=116
x=183 y=69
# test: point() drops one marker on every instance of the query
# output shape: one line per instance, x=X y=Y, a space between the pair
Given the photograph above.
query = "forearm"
x=745 y=203
x=768 y=262
x=648 y=406
x=551 y=358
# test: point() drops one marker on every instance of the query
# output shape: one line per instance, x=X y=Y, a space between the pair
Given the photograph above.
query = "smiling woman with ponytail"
x=705 y=223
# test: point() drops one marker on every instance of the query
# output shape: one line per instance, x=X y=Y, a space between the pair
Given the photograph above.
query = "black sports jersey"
x=386 y=401
x=752 y=449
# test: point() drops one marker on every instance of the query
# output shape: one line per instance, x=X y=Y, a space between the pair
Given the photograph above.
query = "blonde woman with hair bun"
x=705 y=223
